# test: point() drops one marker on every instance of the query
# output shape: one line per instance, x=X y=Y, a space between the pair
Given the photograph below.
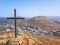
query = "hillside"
x=42 y=23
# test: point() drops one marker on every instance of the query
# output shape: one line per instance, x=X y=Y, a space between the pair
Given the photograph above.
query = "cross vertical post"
x=15 y=23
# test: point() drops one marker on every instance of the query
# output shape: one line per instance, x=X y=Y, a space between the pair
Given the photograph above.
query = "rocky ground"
x=28 y=39
x=28 y=29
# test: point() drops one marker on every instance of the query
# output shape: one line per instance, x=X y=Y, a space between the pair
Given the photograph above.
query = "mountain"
x=42 y=23
x=55 y=18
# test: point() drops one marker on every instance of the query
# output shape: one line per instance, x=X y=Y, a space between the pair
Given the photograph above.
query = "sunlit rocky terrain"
x=38 y=30
x=28 y=39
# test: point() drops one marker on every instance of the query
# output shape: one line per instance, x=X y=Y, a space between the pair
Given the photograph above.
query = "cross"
x=15 y=21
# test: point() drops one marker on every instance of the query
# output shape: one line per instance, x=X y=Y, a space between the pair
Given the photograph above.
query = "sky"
x=29 y=8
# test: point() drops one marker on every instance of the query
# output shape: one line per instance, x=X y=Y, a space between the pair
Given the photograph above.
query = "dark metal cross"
x=15 y=21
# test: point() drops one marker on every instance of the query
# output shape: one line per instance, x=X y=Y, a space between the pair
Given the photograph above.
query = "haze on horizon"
x=30 y=8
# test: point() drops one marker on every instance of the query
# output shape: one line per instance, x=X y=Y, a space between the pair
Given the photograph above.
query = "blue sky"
x=30 y=8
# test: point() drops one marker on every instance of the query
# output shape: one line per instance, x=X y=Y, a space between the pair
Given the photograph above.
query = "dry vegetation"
x=29 y=39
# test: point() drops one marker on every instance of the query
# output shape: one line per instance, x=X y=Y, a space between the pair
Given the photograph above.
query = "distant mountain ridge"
x=55 y=18
x=43 y=23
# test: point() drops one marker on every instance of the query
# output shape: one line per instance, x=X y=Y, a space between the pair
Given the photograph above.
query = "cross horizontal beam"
x=15 y=18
